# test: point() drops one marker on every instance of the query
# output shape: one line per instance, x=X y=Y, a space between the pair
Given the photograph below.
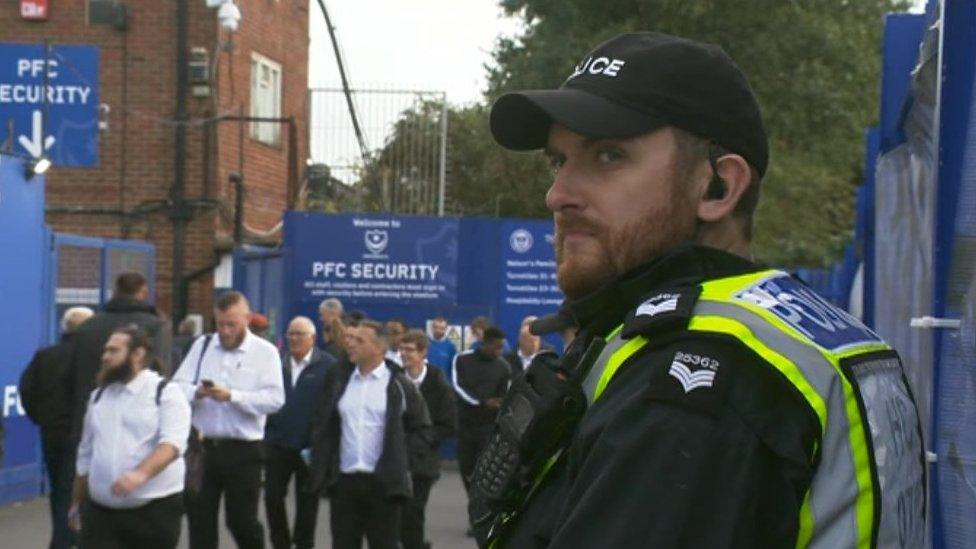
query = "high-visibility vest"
x=869 y=486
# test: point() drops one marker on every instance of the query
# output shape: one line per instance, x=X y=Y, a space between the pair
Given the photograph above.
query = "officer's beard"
x=120 y=373
x=619 y=249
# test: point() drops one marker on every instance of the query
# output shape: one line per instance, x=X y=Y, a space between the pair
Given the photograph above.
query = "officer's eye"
x=555 y=162
x=609 y=155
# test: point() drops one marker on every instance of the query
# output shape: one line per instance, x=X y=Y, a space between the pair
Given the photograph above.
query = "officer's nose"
x=564 y=191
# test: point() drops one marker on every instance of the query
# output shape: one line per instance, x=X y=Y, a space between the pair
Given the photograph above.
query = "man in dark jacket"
x=45 y=393
x=288 y=432
x=425 y=454
x=128 y=306
x=367 y=416
x=481 y=379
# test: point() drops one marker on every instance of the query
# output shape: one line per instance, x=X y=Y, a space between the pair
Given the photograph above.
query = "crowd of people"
x=139 y=428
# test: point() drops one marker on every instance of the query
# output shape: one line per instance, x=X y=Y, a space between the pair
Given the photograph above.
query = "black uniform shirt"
x=653 y=464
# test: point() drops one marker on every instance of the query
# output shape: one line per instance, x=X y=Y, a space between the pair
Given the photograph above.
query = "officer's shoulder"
x=661 y=312
x=793 y=307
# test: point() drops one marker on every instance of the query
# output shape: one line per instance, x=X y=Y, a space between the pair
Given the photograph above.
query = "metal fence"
x=83 y=270
x=401 y=163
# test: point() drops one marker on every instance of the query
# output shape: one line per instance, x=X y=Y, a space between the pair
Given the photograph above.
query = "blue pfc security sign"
x=370 y=258
x=49 y=98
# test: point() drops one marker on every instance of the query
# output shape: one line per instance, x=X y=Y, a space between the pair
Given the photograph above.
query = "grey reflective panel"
x=834 y=490
x=893 y=420
x=596 y=372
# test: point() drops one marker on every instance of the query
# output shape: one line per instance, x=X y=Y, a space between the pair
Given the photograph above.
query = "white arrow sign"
x=37 y=144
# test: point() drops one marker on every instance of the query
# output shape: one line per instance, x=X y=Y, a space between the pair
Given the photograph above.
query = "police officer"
x=706 y=401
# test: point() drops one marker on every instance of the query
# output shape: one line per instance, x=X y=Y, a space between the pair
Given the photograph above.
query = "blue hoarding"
x=22 y=285
x=49 y=99
x=527 y=277
x=374 y=258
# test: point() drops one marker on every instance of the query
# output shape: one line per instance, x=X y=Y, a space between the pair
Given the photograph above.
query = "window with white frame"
x=265 y=98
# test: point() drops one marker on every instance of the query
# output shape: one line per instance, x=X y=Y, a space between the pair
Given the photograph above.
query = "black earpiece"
x=716 y=188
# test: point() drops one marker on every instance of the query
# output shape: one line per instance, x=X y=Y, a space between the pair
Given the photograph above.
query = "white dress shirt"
x=298 y=366
x=526 y=359
x=252 y=372
x=419 y=380
x=394 y=356
x=122 y=429
x=362 y=409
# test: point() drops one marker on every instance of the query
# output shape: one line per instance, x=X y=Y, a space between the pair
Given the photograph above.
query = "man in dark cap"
x=705 y=401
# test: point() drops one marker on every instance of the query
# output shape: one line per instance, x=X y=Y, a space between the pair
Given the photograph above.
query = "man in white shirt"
x=368 y=416
x=232 y=384
x=130 y=472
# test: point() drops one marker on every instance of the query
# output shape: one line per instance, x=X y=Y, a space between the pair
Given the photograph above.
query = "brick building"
x=136 y=191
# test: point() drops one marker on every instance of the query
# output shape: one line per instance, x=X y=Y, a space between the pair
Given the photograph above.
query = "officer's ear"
x=719 y=197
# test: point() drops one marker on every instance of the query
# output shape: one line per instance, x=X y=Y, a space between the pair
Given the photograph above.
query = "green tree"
x=814 y=65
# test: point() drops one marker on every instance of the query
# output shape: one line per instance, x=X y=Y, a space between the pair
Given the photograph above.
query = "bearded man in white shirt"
x=128 y=491
x=232 y=384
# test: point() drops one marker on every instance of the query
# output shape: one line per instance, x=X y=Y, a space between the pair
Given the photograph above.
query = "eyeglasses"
x=297 y=334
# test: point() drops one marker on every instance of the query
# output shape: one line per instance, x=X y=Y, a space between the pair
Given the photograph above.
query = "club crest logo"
x=376 y=241
x=520 y=241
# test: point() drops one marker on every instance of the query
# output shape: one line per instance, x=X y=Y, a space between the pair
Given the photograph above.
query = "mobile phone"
x=208 y=384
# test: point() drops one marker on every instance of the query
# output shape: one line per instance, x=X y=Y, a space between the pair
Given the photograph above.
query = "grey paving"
x=26 y=525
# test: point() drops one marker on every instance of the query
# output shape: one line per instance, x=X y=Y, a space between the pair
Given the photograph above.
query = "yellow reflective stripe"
x=785 y=366
x=806 y=523
x=862 y=350
x=543 y=472
x=724 y=288
x=615 y=361
x=862 y=463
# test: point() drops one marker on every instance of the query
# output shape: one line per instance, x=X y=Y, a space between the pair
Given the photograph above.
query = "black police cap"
x=637 y=83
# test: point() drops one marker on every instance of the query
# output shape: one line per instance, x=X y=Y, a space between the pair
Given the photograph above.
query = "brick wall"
x=136 y=164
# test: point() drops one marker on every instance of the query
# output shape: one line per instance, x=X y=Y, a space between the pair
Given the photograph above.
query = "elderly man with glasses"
x=287 y=434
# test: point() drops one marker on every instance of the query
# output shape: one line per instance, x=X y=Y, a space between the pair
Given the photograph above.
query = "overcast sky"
x=438 y=45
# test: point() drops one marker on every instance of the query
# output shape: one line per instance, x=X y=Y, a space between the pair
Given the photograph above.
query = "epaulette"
x=662 y=312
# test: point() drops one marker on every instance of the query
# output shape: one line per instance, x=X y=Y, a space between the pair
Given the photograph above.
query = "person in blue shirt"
x=441 y=351
x=288 y=432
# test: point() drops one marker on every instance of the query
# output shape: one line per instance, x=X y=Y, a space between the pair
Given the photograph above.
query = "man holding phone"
x=232 y=387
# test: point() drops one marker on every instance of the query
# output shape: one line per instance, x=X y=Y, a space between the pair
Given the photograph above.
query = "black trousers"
x=358 y=508
x=280 y=464
x=414 y=515
x=231 y=468
x=59 y=460
x=155 y=525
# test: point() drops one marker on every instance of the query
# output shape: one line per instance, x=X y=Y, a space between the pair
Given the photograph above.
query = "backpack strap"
x=159 y=389
x=98 y=394
x=206 y=343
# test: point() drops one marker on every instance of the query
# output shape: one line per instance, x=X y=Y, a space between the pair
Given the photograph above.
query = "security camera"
x=229 y=15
